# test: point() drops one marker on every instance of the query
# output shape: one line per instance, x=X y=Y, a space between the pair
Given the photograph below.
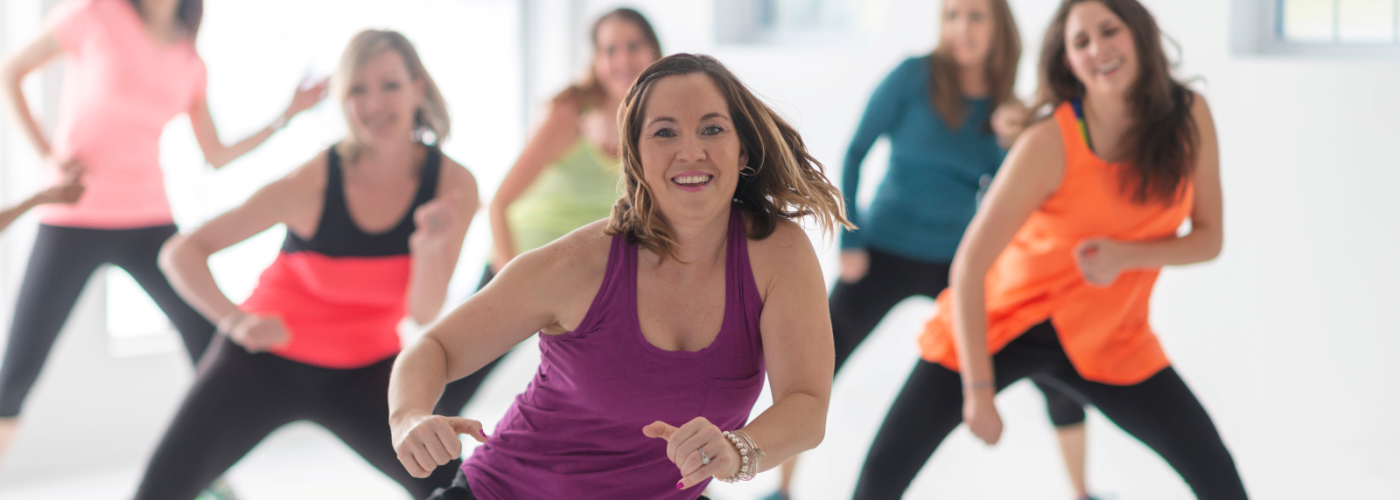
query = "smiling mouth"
x=692 y=180
x=1110 y=67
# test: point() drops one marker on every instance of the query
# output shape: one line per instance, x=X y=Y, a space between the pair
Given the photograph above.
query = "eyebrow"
x=673 y=120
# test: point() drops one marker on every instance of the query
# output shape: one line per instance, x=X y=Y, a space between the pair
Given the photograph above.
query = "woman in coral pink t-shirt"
x=131 y=68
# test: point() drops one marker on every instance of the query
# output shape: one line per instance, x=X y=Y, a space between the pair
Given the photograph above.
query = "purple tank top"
x=576 y=431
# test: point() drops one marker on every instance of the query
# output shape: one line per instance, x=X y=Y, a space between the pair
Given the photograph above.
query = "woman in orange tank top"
x=1054 y=275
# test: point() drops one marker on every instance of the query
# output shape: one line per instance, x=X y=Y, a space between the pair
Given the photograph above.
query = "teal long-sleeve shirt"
x=929 y=195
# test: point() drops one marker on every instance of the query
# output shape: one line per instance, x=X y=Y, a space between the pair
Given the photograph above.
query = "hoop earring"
x=748 y=171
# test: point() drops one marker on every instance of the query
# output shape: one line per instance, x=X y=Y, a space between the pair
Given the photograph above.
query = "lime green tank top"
x=574 y=191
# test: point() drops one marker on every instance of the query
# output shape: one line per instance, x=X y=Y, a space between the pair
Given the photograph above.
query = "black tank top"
x=337 y=235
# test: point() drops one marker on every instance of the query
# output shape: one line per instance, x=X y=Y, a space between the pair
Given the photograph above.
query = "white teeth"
x=692 y=179
x=1110 y=68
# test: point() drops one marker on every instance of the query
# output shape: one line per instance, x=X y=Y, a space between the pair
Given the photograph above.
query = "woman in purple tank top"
x=656 y=325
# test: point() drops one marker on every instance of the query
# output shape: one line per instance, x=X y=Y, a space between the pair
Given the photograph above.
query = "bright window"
x=792 y=21
x=1339 y=21
x=258 y=50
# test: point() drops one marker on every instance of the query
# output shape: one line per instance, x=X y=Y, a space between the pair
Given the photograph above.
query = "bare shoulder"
x=572 y=260
x=787 y=254
x=307 y=181
x=1043 y=137
x=1200 y=110
x=455 y=178
x=297 y=196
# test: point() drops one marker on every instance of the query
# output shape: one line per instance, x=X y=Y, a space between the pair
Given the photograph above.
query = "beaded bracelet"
x=749 y=456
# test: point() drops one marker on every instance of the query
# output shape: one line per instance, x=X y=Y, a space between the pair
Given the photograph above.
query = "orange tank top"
x=1104 y=330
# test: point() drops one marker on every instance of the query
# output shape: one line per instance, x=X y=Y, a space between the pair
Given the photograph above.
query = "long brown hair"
x=431 y=117
x=945 y=92
x=190 y=14
x=786 y=182
x=588 y=93
x=1161 y=144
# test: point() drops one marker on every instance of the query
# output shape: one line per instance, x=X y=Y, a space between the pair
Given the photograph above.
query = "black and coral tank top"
x=343 y=292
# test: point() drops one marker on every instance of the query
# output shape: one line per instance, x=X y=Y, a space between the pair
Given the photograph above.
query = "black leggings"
x=240 y=398
x=1159 y=411
x=60 y=265
x=856 y=308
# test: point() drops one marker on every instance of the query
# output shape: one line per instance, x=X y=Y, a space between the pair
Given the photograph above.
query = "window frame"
x=1257 y=29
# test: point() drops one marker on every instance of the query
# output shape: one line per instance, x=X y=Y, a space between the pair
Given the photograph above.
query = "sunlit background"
x=1284 y=337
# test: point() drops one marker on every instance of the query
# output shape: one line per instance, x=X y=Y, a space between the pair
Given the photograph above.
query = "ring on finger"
x=704 y=459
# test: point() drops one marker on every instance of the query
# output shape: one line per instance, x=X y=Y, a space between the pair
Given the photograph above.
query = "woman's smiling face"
x=690 y=152
x=1100 y=50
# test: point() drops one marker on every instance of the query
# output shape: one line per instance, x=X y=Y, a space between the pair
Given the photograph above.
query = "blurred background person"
x=374 y=230
x=131 y=68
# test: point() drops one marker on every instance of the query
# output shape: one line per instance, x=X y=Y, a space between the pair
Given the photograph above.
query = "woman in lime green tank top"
x=567 y=175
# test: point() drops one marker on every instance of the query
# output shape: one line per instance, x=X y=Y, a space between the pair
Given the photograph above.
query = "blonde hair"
x=431 y=116
x=786 y=181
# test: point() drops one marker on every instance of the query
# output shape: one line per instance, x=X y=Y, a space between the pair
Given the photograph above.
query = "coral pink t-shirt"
x=121 y=86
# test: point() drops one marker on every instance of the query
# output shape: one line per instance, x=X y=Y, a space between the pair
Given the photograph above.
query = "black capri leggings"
x=1160 y=411
x=239 y=398
x=856 y=308
x=60 y=265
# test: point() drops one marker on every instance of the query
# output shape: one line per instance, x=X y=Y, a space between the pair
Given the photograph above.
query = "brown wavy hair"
x=1161 y=143
x=589 y=92
x=945 y=92
x=787 y=183
x=190 y=13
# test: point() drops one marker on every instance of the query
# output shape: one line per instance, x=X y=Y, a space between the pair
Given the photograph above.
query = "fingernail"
x=680 y=485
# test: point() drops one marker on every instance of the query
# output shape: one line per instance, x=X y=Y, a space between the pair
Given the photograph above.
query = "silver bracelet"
x=749 y=456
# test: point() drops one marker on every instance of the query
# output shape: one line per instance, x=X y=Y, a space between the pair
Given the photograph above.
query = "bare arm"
x=797 y=347
x=218 y=154
x=33 y=56
x=559 y=130
x=1031 y=173
x=185 y=258
x=525 y=298
x=63 y=193
x=437 y=243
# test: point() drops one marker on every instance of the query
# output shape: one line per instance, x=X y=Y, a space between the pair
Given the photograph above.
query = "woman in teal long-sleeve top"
x=948 y=116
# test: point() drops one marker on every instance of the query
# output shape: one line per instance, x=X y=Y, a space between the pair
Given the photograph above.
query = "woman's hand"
x=855 y=264
x=1008 y=121
x=434 y=221
x=259 y=333
x=67 y=192
x=305 y=98
x=71 y=168
x=980 y=414
x=1100 y=260
x=691 y=444
x=424 y=442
